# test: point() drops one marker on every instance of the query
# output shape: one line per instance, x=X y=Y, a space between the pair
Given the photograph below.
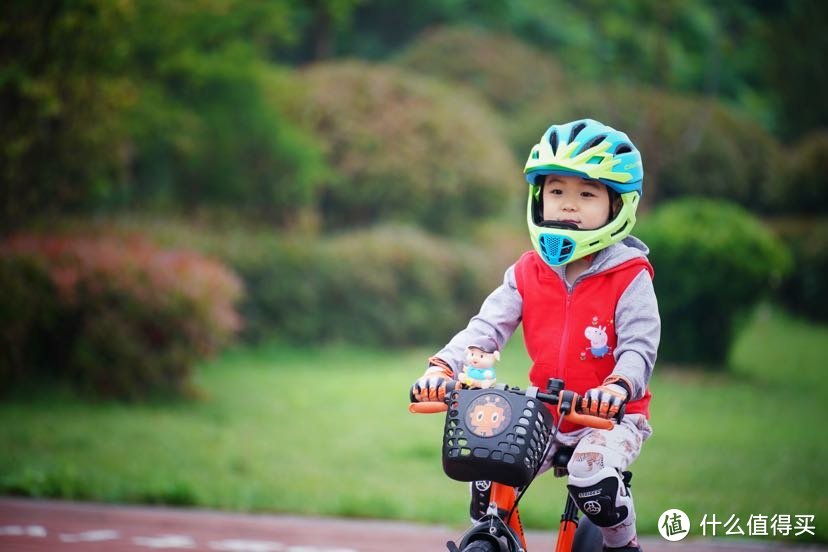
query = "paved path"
x=43 y=525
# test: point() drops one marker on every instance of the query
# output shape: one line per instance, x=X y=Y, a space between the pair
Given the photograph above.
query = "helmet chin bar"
x=559 y=243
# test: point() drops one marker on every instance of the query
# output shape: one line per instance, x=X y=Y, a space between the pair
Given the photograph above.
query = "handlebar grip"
x=589 y=421
x=427 y=407
x=569 y=401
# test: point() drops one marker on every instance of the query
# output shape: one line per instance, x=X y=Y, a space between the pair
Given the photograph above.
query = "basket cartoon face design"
x=488 y=415
x=494 y=435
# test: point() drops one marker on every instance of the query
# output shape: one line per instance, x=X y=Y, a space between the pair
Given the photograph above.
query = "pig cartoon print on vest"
x=598 y=338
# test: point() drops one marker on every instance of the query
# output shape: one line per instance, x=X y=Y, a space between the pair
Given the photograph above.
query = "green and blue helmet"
x=594 y=151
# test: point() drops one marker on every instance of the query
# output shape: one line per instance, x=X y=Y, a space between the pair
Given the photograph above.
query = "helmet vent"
x=556 y=249
x=594 y=142
x=626 y=222
x=623 y=148
x=553 y=141
x=576 y=130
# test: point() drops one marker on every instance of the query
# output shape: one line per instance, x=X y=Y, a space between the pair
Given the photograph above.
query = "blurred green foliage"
x=255 y=111
x=148 y=103
x=178 y=105
x=404 y=147
x=803 y=189
x=714 y=263
x=760 y=55
x=507 y=71
x=63 y=105
x=804 y=291
x=389 y=285
x=208 y=128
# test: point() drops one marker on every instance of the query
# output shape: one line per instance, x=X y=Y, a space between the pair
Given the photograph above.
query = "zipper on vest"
x=565 y=336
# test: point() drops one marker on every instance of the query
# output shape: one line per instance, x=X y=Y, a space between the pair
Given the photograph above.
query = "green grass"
x=326 y=431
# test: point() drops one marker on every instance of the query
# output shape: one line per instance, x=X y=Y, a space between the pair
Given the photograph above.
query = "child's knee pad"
x=603 y=498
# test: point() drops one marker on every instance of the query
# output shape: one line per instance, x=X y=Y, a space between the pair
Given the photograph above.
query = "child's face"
x=573 y=199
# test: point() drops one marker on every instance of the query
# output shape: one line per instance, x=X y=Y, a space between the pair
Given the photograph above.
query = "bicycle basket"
x=496 y=435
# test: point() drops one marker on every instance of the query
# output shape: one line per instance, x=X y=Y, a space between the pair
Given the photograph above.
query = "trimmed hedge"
x=404 y=147
x=805 y=290
x=713 y=262
x=506 y=71
x=385 y=286
x=803 y=190
x=116 y=317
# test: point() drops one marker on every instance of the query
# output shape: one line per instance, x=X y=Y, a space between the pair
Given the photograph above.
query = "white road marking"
x=92 y=536
x=20 y=530
x=166 y=541
x=242 y=545
x=315 y=549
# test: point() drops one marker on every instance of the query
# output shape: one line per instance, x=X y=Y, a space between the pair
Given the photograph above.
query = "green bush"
x=388 y=286
x=216 y=137
x=404 y=147
x=63 y=108
x=805 y=290
x=120 y=318
x=803 y=189
x=398 y=286
x=27 y=308
x=713 y=262
x=507 y=72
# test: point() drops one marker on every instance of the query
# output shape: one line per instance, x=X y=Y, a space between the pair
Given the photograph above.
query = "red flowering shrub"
x=119 y=317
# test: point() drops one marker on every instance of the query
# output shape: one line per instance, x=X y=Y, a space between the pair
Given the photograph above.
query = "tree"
x=795 y=66
x=109 y=104
x=62 y=100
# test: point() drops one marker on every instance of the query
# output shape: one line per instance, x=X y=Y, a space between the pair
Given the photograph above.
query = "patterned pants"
x=597 y=448
x=611 y=452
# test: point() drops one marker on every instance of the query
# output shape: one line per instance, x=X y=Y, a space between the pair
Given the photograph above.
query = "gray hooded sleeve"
x=497 y=320
x=638 y=327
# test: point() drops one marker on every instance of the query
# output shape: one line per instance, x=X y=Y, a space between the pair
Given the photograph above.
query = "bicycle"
x=502 y=435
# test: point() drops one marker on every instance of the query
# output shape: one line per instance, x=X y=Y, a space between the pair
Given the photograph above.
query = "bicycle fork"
x=569 y=524
x=504 y=497
x=495 y=523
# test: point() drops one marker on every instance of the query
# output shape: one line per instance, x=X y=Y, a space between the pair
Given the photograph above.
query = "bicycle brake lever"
x=566 y=401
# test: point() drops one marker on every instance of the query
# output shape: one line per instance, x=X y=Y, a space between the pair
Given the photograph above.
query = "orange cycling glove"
x=431 y=386
x=606 y=400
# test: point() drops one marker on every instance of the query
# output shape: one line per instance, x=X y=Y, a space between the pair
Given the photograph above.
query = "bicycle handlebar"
x=432 y=407
x=566 y=401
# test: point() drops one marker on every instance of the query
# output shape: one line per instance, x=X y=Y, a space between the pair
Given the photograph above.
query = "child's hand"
x=431 y=386
x=604 y=401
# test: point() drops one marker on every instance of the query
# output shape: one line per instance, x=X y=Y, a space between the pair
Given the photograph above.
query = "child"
x=585 y=298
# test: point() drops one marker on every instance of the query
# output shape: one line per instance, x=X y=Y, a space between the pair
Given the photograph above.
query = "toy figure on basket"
x=479 y=369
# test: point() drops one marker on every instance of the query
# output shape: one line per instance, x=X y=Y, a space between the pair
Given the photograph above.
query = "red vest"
x=571 y=336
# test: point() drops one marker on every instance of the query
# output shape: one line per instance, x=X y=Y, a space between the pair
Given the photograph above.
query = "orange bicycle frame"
x=504 y=497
